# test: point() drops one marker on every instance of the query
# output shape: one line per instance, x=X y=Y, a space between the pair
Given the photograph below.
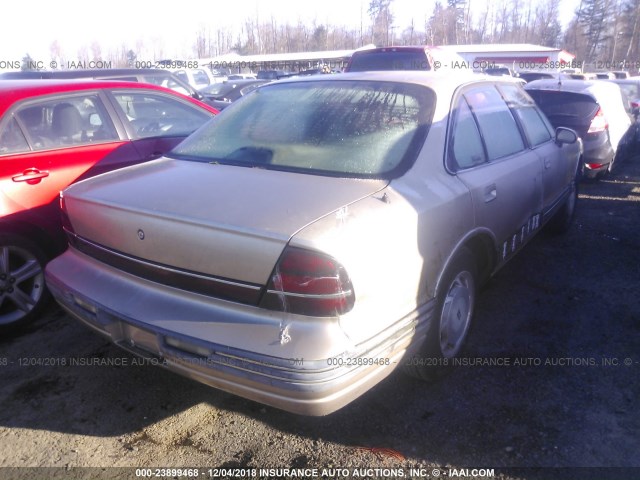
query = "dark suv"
x=401 y=58
x=594 y=109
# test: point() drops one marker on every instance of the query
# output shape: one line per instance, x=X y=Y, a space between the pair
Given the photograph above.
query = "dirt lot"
x=563 y=318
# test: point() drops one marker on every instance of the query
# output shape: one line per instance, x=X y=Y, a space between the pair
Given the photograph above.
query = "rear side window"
x=389 y=60
x=497 y=125
x=155 y=115
x=466 y=143
x=200 y=77
x=534 y=125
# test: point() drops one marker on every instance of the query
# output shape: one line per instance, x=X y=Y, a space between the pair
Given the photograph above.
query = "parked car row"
x=221 y=95
x=319 y=234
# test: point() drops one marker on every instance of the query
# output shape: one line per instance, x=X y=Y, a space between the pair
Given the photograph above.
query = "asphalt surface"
x=547 y=387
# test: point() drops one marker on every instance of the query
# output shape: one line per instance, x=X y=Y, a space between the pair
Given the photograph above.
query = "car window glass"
x=154 y=115
x=467 y=149
x=168 y=81
x=200 y=77
x=532 y=122
x=12 y=139
x=323 y=127
x=182 y=76
x=69 y=121
x=497 y=125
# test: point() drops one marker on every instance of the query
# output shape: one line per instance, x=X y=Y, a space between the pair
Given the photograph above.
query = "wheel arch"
x=46 y=241
x=482 y=245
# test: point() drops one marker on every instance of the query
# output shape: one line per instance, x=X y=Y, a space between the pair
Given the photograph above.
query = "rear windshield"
x=339 y=128
x=565 y=108
x=389 y=60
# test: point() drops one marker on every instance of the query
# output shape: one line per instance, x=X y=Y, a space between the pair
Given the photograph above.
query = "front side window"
x=342 y=128
x=538 y=130
x=157 y=115
x=497 y=125
x=65 y=122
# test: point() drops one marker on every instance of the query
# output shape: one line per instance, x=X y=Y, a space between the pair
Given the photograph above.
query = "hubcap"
x=456 y=314
x=21 y=283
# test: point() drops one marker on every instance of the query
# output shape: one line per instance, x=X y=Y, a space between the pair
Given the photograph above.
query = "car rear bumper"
x=132 y=313
x=598 y=154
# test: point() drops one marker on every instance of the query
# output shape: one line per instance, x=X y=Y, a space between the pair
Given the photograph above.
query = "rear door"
x=47 y=144
x=489 y=155
x=556 y=165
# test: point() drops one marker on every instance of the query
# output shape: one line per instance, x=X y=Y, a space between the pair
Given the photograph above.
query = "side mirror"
x=565 y=136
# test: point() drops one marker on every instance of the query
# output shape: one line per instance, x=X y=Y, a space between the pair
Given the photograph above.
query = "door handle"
x=31 y=176
x=490 y=193
x=547 y=162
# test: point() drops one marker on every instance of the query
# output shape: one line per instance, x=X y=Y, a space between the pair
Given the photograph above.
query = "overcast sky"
x=30 y=27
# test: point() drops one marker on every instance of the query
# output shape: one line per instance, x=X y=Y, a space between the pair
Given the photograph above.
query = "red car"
x=53 y=133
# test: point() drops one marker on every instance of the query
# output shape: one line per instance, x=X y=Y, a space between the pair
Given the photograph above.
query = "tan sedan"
x=317 y=234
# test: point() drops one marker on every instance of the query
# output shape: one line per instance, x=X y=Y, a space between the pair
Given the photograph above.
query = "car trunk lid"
x=222 y=221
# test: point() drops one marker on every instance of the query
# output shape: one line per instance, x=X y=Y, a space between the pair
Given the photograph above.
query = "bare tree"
x=382 y=20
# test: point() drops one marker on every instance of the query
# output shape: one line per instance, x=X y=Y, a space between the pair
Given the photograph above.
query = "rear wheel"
x=23 y=292
x=449 y=328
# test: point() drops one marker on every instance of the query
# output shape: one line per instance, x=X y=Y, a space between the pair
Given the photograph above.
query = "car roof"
x=435 y=79
x=12 y=91
x=626 y=81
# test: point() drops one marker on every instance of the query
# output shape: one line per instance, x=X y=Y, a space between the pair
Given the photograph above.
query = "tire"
x=562 y=220
x=23 y=293
x=453 y=316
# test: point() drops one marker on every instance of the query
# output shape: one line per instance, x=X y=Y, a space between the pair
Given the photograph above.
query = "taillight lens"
x=598 y=123
x=309 y=283
x=593 y=166
x=66 y=223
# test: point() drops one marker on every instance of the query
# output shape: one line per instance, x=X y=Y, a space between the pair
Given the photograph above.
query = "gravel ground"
x=548 y=385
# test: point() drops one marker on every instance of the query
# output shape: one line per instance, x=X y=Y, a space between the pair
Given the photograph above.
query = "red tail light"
x=593 y=166
x=599 y=123
x=309 y=283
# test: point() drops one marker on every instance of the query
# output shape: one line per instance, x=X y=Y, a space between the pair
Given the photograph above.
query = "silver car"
x=318 y=233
